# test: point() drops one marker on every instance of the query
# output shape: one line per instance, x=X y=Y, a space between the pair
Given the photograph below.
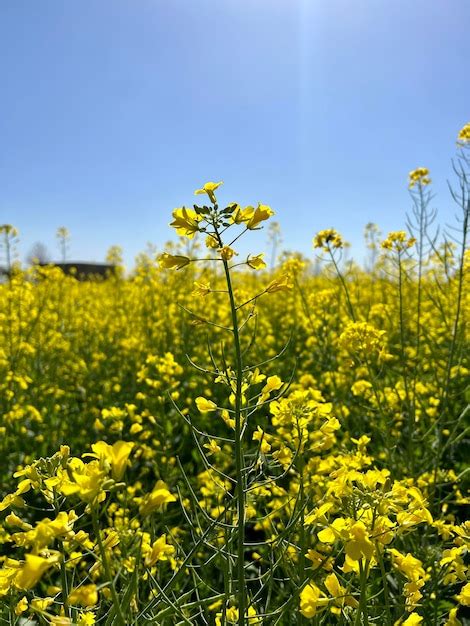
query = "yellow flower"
x=398 y=240
x=279 y=284
x=260 y=214
x=116 y=455
x=232 y=616
x=41 y=604
x=273 y=383
x=186 y=222
x=160 y=551
x=172 y=261
x=327 y=239
x=411 y=567
x=338 y=592
x=452 y=619
x=30 y=573
x=85 y=595
x=239 y=215
x=419 y=176
x=362 y=338
x=229 y=421
x=21 y=606
x=86 y=619
x=260 y=435
x=464 y=596
x=15 y=499
x=359 y=545
x=413 y=620
x=211 y=242
x=46 y=531
x=201 y=289
x=204 y=405
x=87 y=480
x=209 y=188
x=157 y=499
x=212 y=447
x=226 y=253
x=312 y=599
x=256 y=262
x=464 y=135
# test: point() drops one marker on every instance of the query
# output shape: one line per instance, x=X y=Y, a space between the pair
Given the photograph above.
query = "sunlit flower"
x=204 y=405
x=116 y=455
x=186 y=222
x=419 y=176
x=173 y=261
x=327 y=239
x=84 y=595
x=464 y=135
x=256 y=262
x=209 y=188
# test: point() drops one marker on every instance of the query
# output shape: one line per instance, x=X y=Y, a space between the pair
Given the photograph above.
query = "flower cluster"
x=420 y=177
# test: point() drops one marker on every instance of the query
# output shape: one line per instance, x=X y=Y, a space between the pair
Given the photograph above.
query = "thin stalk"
x=362 y=608
x=240 y=492
x=385 y=589
x=107 y=571
x=410 y=413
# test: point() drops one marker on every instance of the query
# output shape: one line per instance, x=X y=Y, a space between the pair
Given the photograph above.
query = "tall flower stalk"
x=218 y=225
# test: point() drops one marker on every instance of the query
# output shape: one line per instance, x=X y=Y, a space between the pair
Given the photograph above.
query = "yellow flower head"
x=86 y=619
x=312 y=600
x=21 y=606
x=362 y=338
x=279 y=284
x=209 y=188
x=186 y=222
x=464 y=596
x=159 y=551
x=173 y=261
x=327 y=239
x=464 y=135
x=260 y=214
x=204 y=405
x=116 y=455
x=256 y=262
x=226 y=253
x=413 y=620
x=239 y=215
x=201 y=289
x=211 y=242
x=419 y=176
x=398 y=240
x=157 y=499
x=85 y=595
x=87 y=480
x=32 y=570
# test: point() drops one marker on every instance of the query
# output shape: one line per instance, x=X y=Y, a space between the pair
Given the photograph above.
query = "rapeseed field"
x=211 y=441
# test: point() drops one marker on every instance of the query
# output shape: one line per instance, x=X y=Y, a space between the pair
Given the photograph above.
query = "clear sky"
x=113 y=111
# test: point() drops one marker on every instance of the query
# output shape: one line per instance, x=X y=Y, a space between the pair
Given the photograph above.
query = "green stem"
x=362 y=609
x=385 y=585
x=107 y=571
x=240 y=492
x=410 y=411
x=239 y=456
x=63 y=571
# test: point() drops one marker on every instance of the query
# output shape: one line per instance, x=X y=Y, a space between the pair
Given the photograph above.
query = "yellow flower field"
x=209 y=441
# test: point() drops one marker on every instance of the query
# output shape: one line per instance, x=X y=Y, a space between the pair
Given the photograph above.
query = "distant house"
x=82 y=270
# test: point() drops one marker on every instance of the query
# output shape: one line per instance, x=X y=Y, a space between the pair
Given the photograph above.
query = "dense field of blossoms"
x=208 y=441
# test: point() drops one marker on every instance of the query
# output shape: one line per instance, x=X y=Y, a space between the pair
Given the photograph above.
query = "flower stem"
x=107 y=571
x=239 y=456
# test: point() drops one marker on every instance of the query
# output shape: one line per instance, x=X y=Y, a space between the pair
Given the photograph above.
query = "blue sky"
x=113 y=111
